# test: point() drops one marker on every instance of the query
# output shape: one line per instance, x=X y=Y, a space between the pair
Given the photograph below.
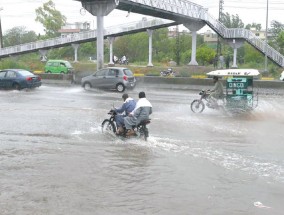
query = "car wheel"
x=87 y=86
x=48 y=72
x=120 y=87
x=62 y=72
x=16 y=86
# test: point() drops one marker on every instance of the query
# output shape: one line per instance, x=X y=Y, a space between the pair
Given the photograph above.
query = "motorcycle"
x=168 y=72
x=124 y=62
x=109 y=126
x=198 y=105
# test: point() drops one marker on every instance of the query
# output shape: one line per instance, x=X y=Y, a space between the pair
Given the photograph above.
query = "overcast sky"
x=22 y=12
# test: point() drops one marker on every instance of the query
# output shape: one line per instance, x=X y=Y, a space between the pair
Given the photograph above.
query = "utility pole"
x=1 y=35
x=219 y=48
x=266 y=31
x=177 y=45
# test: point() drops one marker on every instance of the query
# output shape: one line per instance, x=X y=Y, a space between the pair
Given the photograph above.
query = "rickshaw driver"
x=217 y=92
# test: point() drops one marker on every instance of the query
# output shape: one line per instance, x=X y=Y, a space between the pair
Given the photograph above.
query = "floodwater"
x=55 y=160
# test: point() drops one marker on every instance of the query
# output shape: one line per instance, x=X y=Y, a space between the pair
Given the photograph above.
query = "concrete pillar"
x=193 y=51
x=194 y=27
x=43 y=53
x=235 y=44
x=110 y=40
x=150 y=33
x=75 y=47
x=100 y=9
x=100 y=42
x=235 y=59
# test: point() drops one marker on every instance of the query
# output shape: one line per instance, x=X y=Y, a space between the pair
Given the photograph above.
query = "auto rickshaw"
x=239 y=96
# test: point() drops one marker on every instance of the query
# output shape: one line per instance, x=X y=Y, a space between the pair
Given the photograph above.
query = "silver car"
x=118 y=78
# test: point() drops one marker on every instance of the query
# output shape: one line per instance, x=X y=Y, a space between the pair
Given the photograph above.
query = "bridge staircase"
x=183 y=11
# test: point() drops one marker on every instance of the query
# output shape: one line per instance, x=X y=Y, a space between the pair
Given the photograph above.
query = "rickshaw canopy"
x=234 y=72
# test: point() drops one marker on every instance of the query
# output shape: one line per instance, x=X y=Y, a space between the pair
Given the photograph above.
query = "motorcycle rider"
x=217 y=92
x=123 y=59
x=141 y=112
x=126 y=108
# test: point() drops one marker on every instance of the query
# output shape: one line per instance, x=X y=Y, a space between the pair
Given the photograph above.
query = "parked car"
x=58 y=67
x=118 y=78
x=282 y=76
x=18 y=79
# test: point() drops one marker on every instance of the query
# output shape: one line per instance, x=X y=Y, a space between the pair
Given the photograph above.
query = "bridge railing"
x=79 y=37
x=183 y=7
x=241 y=33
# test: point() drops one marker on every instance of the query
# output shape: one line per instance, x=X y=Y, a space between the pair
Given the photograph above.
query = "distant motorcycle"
x=167 y=73
x=198 y=105
x=121 y=61
x=109 y=125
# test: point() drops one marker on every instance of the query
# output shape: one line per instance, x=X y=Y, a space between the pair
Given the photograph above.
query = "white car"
x=282 y=76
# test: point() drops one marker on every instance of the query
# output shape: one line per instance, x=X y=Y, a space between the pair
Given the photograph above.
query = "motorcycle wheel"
x=197 y=106
x=143 y=133
x=108 y=126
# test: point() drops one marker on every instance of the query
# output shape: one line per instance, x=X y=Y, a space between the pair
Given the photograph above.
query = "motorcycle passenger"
x=141 y=112
x=126 y=108
x=216 y=92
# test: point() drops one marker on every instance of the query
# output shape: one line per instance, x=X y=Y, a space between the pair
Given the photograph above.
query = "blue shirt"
x=127 y=107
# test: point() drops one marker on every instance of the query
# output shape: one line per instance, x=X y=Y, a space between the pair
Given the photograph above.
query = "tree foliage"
x=232 y=21
x=18 y=35
x=253 y=25
x=277 y=38
x=205 y=54
x=51 y=19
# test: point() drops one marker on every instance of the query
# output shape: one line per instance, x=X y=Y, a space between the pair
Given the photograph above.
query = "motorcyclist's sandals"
x=130 y=133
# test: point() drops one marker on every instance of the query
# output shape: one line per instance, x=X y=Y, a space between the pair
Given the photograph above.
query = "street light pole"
x=265 y=64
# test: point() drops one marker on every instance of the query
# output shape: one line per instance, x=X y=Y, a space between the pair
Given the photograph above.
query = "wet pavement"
x=55 y=160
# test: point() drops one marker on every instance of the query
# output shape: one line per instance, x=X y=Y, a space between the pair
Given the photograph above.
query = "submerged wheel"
x=16 y=86
x=87 y=86
x=108 y=126
x=120 y=87
x=197 y=106
x=143 y=133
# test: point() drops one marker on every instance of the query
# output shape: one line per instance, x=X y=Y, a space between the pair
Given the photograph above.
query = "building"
x=72 y=28
x=210 y=37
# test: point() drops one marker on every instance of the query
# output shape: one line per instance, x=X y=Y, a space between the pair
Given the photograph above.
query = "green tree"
x=205 y=54
x=276 y=40
x=162 y=47
x=232 y=21
x=18 y=35
x=253 y=25
x=51 y=19
x=280 y=42
x=251 y=55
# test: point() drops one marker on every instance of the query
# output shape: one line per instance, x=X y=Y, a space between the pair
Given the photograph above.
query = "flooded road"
x=55 y=160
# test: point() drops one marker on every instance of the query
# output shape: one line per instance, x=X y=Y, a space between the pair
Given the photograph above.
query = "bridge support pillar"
x=150 y=33
x=43 y=53
x=194 y=27
x=75 y=47
x=100 y=9
x=110 y=40
x=235 y=44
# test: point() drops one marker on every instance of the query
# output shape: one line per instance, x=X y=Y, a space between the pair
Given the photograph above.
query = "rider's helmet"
x=142 y=95
x=125 y=96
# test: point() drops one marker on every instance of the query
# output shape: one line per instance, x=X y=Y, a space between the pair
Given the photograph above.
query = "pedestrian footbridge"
x=184 y=12
x=87 y=36
x=172 y=12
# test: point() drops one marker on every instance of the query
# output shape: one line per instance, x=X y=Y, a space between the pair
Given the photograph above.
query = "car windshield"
x=25 y=73
x=68 y=64
x=128 y=72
